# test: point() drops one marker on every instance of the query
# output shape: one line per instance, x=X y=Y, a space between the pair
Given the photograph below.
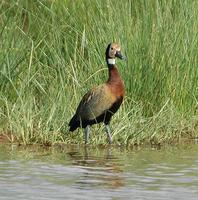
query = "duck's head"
x=113 y=51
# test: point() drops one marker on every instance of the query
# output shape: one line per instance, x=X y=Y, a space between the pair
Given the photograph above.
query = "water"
x=98 y=173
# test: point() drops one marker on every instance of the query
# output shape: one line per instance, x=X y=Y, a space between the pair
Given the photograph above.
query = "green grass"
x=52 y=52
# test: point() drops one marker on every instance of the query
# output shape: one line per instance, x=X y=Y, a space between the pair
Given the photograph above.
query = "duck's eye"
x=111 y=48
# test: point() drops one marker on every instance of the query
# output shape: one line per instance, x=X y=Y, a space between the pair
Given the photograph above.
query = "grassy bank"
x=52 y=52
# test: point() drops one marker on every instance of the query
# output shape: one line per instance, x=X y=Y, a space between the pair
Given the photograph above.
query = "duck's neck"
x=114 y=76
x=114 y=81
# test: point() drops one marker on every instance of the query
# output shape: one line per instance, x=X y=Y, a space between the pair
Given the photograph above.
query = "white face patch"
x=111 y=61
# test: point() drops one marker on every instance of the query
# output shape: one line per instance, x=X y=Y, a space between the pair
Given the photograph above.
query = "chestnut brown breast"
x=115 y=83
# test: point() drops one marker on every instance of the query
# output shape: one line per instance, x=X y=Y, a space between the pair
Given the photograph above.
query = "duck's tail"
x=74 y=123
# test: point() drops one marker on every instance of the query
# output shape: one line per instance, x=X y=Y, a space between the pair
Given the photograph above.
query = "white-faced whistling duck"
x=102 y=102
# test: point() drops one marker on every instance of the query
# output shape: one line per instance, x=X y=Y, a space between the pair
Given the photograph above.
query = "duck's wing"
x=95 y=102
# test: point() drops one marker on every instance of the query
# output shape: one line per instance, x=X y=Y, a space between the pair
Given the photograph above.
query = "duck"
x=100 y=103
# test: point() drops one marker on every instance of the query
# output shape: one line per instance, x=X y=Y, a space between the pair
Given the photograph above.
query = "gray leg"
x=86 y=132
x=108 y=131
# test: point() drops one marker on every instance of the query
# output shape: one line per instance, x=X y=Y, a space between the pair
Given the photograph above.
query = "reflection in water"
x=74 y=172
x=100 y=171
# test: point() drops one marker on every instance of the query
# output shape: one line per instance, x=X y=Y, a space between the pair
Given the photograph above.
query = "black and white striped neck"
x=111 y=62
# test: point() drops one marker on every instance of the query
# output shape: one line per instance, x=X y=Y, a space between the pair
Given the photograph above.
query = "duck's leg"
x=108 y=131
x=86 y=133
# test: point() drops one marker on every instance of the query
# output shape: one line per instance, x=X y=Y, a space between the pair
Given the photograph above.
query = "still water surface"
x=98 y=173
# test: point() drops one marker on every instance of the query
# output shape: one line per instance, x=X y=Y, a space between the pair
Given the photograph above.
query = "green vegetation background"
x=52 y=52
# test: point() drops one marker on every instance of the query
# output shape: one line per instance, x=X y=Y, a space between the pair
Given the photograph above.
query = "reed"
x=52 y=52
